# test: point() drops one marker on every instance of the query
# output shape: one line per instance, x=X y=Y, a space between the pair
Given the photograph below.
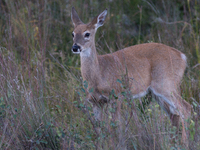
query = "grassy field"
x=42 y=98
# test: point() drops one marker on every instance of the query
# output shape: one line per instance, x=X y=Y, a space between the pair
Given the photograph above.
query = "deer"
x=149 y=67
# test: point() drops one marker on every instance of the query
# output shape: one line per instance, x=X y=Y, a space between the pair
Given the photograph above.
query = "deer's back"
x=143 y=64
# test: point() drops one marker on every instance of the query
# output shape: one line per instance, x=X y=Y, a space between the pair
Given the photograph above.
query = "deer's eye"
x=87 y=35
x=72 y=34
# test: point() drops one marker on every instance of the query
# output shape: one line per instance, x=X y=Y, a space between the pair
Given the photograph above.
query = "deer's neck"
x=90 y=66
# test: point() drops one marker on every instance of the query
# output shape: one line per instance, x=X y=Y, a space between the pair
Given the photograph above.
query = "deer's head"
x=84 y=34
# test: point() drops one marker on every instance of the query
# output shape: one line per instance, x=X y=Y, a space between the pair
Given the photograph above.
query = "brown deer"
x=151 y=67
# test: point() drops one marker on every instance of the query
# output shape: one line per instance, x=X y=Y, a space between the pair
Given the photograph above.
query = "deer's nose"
x=76 y=48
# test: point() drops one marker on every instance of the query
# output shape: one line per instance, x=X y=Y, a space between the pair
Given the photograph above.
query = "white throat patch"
x=85 y=52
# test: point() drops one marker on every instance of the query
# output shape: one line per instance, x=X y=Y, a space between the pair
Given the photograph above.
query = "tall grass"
x=42 y=98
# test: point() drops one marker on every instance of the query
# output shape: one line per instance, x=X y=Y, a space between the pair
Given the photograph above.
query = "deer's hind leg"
x=177 y=109
x=185 y=113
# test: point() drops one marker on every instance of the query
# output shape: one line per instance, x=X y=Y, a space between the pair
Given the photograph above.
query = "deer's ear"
x=75 y=18
x=99 y=20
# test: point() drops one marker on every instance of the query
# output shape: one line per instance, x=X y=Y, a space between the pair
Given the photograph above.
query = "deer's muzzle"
x=76 y=48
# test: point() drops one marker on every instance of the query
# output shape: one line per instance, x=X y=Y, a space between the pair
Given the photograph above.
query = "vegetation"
x=42 y=97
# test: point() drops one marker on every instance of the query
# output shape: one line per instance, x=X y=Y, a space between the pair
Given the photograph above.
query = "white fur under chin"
x=85 y=52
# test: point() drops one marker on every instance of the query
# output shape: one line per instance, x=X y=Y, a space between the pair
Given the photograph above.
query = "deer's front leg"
x=98 y=105
x=97 y=111
x=95 y=107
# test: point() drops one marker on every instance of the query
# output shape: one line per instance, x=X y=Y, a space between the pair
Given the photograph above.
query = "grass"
x=42 y=98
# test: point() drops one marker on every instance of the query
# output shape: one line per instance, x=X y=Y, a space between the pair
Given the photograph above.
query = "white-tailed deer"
x=151 y=67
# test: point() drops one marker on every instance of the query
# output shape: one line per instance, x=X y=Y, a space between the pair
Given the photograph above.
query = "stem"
x=140 y=8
